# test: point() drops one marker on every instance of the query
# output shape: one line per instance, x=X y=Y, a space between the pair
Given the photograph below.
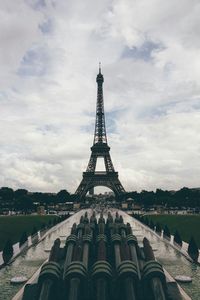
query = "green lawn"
x=187 y=225
x=11 y=227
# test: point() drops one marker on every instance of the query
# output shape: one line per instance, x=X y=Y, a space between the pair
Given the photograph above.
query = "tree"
x=162 y=197
x=23 y=239
x=6 y=196
x=193 y=250
x=182 y=197
x=177 y=238
x=25 y=203
x=63 y=196
x=147 y=198
x=6 y=193
x=19 y=193
x=7 y=252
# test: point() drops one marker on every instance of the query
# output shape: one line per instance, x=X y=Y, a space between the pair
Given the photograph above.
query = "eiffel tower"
x=100 y=148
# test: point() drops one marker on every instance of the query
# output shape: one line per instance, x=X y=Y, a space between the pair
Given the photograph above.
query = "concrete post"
x=153 y=274
x=50 y=274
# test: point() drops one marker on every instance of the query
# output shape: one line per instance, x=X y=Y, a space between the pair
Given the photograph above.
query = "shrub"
x=23 y=239
x=177 y=238
x=158 y=228
x=151 y=225
x=55 y=221
x=193 y=250
x=43 y=227
x=34 y=235
x=7 y=252
x=146 y=221
x=166 y=232
x=34 y=231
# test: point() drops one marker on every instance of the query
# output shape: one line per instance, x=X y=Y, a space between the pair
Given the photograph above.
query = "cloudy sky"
x=49 y=54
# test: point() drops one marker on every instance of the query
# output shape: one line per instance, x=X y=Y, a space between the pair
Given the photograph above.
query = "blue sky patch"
x=36 y=4
x=110 y=121
x=47 y=26
x=143 y=52
x=34 y=63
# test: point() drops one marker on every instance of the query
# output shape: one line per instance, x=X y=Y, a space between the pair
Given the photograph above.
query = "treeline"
x=8 y=250
x=184 y=197
x=22 y=199
x=192 y=250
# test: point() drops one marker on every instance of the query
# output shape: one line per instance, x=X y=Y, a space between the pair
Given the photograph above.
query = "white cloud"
x=49 y=58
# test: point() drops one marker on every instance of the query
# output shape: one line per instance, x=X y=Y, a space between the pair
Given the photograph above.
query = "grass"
x=187 y=225
x=12 y=227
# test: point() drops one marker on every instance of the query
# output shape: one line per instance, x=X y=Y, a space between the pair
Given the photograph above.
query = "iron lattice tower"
x=100 y=148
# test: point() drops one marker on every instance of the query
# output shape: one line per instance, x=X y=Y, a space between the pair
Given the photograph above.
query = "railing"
x=100 y=173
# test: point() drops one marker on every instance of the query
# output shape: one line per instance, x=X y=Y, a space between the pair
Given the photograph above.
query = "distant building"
x=76 y=206
x=124 y=205
x=41 y=210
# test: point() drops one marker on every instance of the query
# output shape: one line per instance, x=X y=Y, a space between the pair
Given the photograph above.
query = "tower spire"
x=100 y=127
x=99 y=67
